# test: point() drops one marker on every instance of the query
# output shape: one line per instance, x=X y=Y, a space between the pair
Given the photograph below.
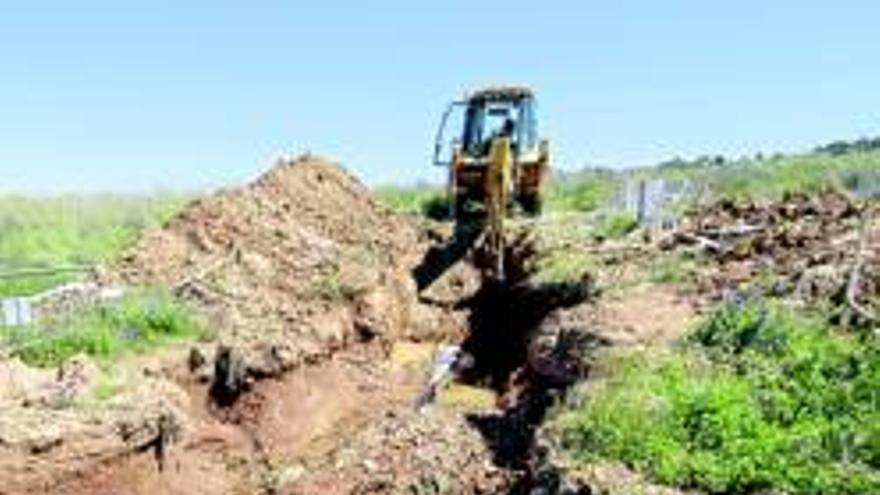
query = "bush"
x=759 y=399
x=774 y=177
x=564 y=265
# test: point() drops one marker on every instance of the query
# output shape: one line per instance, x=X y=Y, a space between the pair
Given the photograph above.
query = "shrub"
x=759 y=399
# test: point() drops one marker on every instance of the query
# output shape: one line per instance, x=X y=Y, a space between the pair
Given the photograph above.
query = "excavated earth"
x=319 y=342
x=817 y=247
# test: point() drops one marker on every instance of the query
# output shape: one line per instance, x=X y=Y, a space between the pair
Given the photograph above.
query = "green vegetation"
x=331 y=288
x=105 y=388
x=838 y=148
x=43 y=232
x=582 y=191
x=617 y=225
x=759 y=399
x=137 y=323
x=709 y=177
x=335 y=285
x=770 y=177
x=429 y=201
x=672 y=268
x=563 y=265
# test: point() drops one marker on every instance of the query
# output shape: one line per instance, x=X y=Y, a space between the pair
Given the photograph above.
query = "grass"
x=138 y=323
x=617 y=225
x=424 y=200
x=105 y=388
x=331 y=286
x=772 y=177
x=672 y=268
x=561 y=247
x=582 y=191
x=760 y=399
x=43 y=232
x=711 y=178
x=564 y=265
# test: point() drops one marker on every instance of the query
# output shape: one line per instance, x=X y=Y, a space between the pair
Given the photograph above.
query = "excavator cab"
x=482 y=119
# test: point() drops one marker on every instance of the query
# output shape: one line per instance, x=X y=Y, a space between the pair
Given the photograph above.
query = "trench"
x=530 y=358
x=517 y=346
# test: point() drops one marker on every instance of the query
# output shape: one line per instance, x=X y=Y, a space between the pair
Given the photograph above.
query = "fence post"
x=641 y=211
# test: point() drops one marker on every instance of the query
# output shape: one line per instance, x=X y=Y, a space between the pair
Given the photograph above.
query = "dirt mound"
x=294 y=266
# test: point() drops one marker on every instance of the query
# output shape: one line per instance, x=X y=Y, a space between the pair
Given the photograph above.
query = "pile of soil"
x=295 y=266
x=409 y=452
x=292 y=273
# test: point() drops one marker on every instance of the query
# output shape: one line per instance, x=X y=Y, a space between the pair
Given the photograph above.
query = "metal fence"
x=658 y=202
x=654 y=202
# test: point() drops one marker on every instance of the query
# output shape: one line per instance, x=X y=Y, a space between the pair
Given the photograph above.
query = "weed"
x=429 y=201
x=104 y=389
x=581 y=192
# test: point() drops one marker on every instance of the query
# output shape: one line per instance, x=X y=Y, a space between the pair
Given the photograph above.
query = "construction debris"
x=821 y=246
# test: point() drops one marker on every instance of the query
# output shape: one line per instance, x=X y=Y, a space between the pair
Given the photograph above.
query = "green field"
x=57 y=231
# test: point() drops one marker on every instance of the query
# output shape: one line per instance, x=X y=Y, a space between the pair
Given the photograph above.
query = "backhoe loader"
x=497 y=162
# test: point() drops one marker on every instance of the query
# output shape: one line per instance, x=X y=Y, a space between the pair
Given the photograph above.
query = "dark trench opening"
x=530 y=359
x=518 y=348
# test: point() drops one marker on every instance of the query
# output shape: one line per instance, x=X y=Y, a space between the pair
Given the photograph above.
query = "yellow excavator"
x=497 y=162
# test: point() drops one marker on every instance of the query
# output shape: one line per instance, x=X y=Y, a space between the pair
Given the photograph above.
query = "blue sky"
x=183 y=95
